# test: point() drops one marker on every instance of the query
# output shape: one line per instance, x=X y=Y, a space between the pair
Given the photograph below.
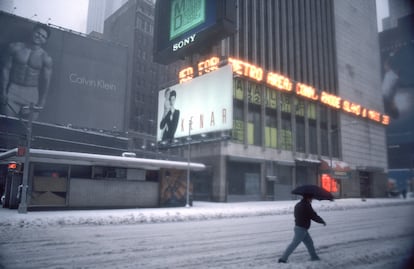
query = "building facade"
x=98 y=11
x=329 y=45
x=133 y=25
x=397 y=56
x=397 y=9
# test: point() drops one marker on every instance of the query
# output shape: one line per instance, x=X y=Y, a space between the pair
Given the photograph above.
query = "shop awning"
x=307 y=161
x=337 y=169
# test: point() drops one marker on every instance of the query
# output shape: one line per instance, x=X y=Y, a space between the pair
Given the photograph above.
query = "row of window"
x=298 y=118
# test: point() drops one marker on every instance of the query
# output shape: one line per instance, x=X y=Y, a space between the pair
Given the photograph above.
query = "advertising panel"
x=186 y=26
x=206 y=102
x=77 y=80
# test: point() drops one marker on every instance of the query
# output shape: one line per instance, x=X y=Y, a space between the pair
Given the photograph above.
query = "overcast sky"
x=72 y=14
x=69 y=14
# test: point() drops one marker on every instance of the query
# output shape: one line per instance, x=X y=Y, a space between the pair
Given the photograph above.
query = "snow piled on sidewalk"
x=200 y=211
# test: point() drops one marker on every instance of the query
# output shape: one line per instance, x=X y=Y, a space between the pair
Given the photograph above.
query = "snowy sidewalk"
x=199 y=211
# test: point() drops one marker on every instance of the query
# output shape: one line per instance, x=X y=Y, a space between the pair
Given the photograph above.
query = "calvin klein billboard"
x=77 y=80
x=203 y=104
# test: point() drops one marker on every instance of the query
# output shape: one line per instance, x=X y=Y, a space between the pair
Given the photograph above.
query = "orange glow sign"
x=374 y=115
x=350 y=107
x=306 y=91
x=246 y=69
x=331 y=100
x=208 y=65
x=279 y=81
x=186 y=74
x=385 y=120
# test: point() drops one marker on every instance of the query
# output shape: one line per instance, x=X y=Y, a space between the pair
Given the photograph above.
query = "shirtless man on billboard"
x=26 y=73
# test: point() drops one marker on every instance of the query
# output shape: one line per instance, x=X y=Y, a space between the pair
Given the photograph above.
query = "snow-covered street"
x=377 y=233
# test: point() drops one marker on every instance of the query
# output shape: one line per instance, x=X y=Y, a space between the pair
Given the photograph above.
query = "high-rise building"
x=397 y=10
x=397 y=55
x=329 y=45
x=133 y=25
x=98 y=11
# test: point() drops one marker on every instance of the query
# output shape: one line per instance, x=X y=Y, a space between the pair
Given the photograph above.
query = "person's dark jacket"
x=304 y=213
x=171 y=121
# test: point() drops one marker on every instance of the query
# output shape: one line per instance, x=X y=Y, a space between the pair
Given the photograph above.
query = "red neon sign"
x=329 y=183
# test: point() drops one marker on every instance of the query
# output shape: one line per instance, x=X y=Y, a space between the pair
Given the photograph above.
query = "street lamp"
x=188 y=164
x=23 y=199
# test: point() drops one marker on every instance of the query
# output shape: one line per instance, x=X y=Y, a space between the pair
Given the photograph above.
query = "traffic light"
x=14 y=167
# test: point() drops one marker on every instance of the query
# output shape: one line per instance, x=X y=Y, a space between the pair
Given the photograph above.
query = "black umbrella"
x=316 y=192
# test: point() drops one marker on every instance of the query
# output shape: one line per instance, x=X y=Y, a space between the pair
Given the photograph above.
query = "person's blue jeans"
x=301 y=235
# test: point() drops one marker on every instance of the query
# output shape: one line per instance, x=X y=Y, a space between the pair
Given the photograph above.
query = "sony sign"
x=185 y=42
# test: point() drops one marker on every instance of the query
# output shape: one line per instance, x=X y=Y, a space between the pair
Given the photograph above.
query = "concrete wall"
x=359 y=80
x=112 y=193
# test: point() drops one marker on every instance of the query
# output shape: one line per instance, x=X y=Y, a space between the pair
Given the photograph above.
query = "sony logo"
x=184 y=42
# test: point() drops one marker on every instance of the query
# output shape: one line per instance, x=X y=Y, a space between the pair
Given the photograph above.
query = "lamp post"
x=23 y=198
x=188 y=164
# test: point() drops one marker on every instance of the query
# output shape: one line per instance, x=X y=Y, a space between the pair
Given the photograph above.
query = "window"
x=238 y=125
x=286 y=133
x=49 y=184
x=80 y=171
x=313 y=144
x=300 y=134
x=102 y=172
x=271 y=128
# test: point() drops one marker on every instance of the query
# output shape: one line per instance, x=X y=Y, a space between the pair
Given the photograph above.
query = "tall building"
x=98 y=11
x=397 y=10
x=133 y=25
x=397 y=55
x=331 y=46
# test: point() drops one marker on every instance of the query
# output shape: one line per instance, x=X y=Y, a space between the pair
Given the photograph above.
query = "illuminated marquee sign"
x=306 y=91
x=282 y=83
x=279 y=81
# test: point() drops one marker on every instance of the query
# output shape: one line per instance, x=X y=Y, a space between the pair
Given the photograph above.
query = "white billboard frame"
x=205 y=101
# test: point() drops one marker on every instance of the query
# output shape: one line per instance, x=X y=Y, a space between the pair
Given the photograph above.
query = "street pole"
x=23 y=198
x=188 y=165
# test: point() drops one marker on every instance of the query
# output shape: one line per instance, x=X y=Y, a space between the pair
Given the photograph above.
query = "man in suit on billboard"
x=26 y=72
x=169 y=122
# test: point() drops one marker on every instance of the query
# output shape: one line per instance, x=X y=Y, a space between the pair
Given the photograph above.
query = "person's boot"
x=281 y=261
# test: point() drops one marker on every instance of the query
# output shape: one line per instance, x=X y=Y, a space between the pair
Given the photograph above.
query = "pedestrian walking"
x=303 y=213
